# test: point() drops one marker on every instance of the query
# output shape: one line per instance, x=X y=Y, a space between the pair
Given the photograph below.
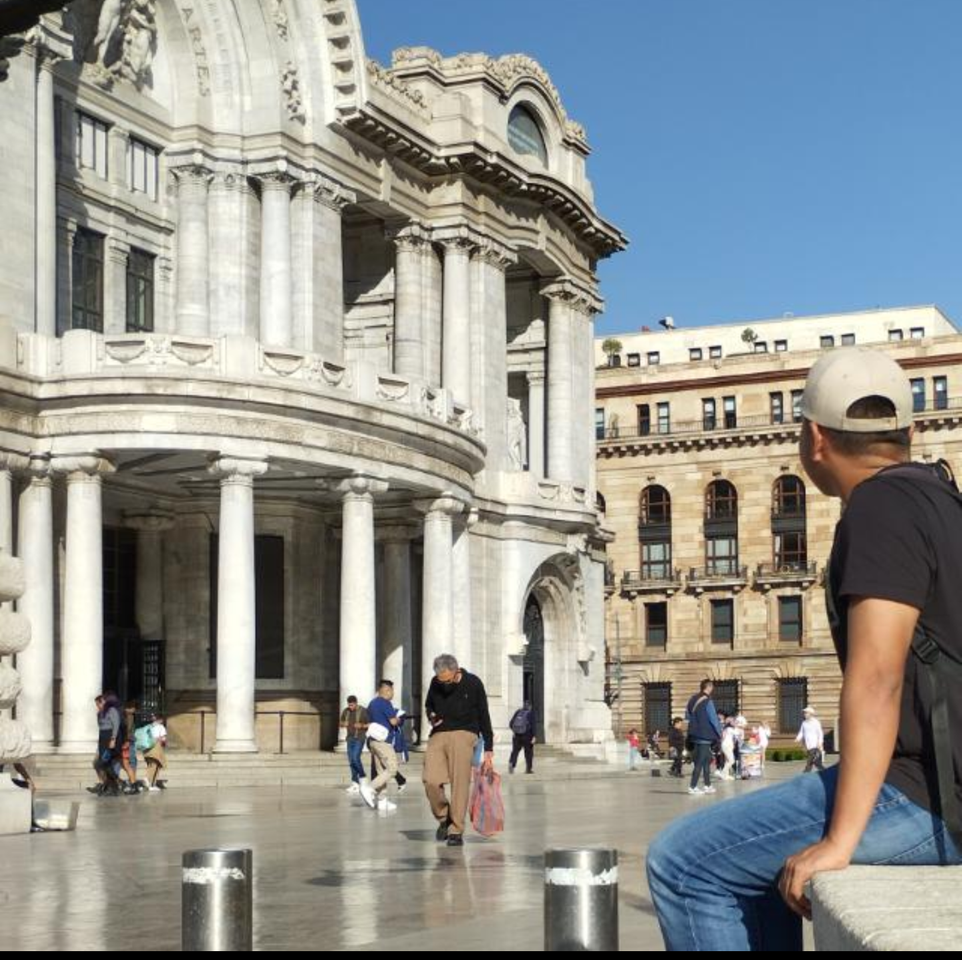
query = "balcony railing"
x=653 y=580
x=720 y=572
x=793 y=571
x=718 y=427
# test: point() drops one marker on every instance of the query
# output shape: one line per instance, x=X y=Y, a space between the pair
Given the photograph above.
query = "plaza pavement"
x=329 y=873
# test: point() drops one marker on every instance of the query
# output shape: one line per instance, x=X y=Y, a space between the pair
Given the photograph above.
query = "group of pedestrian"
x=120 y=739
x=456 y=707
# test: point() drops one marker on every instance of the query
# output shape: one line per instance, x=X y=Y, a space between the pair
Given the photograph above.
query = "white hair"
x=445 y=663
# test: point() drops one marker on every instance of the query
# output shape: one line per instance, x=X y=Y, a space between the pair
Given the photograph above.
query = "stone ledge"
x=888 y=909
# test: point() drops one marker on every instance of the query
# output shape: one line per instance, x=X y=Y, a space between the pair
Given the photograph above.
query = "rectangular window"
x=896 y=336
x=827 y=343
x=656 y=561
x=656 y=625
x=657 y=707
x=270 y=628
x=726 y=697
x=778 y=407
x=790 y=619
x=761 y=346
x=723 y=622
x=715 y=353
x=918 y=396
x=791 y=552
x=664 y=418
x=722 y=556
x=848 y=339
x=781 y=346
x=644 y=420
x=88 y=282
x=654 y=359
x=797 y=397
x=695 y=354
x=634 y=359
x=91 y=153
x=599 y=424
x=941 y=386
x=731 y=413
x=143 y=162
x=918 y=333
x=792 y=701
x=140 y=292
x=709 y=414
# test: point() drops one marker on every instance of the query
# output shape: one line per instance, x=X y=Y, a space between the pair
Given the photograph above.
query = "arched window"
x=525 y=136
x=789 y=526
x=654 y=532
x=721 y=530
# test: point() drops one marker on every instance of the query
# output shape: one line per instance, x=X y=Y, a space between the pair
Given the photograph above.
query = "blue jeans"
x=354 y=750
x=714 y=875
x=702 y=761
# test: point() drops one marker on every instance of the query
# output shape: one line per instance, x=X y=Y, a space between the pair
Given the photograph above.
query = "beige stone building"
x=721 y=542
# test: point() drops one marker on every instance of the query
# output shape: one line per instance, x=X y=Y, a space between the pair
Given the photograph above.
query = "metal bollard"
x=581 y=901
x=217 y=910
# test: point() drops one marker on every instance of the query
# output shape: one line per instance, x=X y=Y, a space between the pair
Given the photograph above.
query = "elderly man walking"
x=457 y=709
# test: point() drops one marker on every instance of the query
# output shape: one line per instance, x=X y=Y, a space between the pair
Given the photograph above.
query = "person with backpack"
x=381 y=731
x=676 y=748
x=895 y=608
x=704 y=731
x=524 y=726
x=151 y=740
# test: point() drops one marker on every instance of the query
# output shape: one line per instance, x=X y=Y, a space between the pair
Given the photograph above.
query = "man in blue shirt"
x=704 y=731
x=382 y=727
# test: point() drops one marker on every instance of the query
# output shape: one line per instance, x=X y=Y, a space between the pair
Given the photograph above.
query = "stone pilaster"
x=82 y=631
x=193 y=251
x=397 y=640
x=277 y=319
x=115 y=286
x=236 y=605
x=412 y=245
x=536 y=424
x=456 y=335
x=46 y=185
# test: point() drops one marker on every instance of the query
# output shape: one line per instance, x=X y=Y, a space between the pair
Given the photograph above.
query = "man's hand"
x=488 y=765
x=798 y=871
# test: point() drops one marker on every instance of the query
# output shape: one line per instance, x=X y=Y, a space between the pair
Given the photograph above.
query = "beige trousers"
x=448 y=763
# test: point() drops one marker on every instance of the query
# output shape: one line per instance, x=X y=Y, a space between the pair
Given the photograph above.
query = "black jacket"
x=464 y=708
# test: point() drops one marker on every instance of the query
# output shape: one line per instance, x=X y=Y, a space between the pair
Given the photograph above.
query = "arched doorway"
x=534 y=663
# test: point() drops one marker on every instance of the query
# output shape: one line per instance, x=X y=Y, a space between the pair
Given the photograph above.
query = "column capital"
x=361 y=487
x=413 y=237
x=193 y=175
x=230 y=180
x=459 y=241
x=11 y=462
x=445 y=506
x=580 y=298
x=328 y=193
x=149 y=521
x=240 y=470
x=495 y=254
x=118 y=251
x=82 y=468
x=536 y=378
x=275 y=181
x=396 y=533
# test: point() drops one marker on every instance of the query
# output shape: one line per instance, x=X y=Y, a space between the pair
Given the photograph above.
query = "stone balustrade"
x=82 y=353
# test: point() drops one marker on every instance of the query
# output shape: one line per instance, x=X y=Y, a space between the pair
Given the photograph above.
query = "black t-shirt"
x=900 y=539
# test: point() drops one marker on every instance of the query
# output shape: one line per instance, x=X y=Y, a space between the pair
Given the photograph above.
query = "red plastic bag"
x=487 y=804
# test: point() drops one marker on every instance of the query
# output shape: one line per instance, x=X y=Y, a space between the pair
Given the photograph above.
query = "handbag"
x=487 y=804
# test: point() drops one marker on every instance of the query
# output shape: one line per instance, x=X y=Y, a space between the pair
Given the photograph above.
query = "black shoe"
x=455 y=840
x=530 y=773
x=97 y=791
x=442 y=833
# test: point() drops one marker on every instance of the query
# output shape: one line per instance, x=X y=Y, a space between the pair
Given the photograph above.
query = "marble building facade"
x=296 y=373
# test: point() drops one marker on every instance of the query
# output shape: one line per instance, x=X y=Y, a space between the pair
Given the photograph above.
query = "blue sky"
x=764 y=157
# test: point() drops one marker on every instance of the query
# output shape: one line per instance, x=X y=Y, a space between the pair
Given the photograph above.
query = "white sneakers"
x=367 y=794
x=386 y=806
x=701 y=791
x=354 y=790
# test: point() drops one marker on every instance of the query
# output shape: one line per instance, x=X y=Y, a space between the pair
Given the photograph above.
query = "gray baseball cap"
x=843 y=377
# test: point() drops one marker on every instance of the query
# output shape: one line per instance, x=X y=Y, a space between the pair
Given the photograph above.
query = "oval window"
x=525 y=136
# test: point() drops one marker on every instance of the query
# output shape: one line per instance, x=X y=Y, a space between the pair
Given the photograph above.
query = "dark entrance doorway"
x=534 y=662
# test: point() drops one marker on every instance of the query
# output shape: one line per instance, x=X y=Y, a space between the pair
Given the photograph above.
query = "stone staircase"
x=72 y=774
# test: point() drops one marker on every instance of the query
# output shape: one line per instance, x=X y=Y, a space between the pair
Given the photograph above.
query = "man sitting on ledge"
x=733 y=877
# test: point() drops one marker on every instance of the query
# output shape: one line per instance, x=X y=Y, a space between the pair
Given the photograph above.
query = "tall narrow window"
x=644 y=420
x=143 y=162
x=789 y=525
x=140 y=292
x=664 y=418
x=797 y=397
x=723 y=622
x=778 y=407
x=91 y=151
x=657 y=697
x=792 y=700
x=721 y=530
x=654 y=533
x=709 y=414
x=726 y=697
x=790 y=619
x=656 y=626
x=941 y=387
x=731 y=413
x=599 y=424
x=918 y=396
x=88 y=282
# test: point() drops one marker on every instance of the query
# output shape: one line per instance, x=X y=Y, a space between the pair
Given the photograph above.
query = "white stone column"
x=115 y=286
x=36 y=548
x=463 y=620
x=46 y=186
x=229 y=203
x=277 y=319
x=236 y=606
x=82 y=632
x=358 y=636
x=561 y=406
x=151 y=527
x=536 y=424
x=456 y=336
x=397 y=648
x=193 y=251
x=412 y=245
x=437 y=631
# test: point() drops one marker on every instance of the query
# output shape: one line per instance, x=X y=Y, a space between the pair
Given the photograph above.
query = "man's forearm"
x=869 y=727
